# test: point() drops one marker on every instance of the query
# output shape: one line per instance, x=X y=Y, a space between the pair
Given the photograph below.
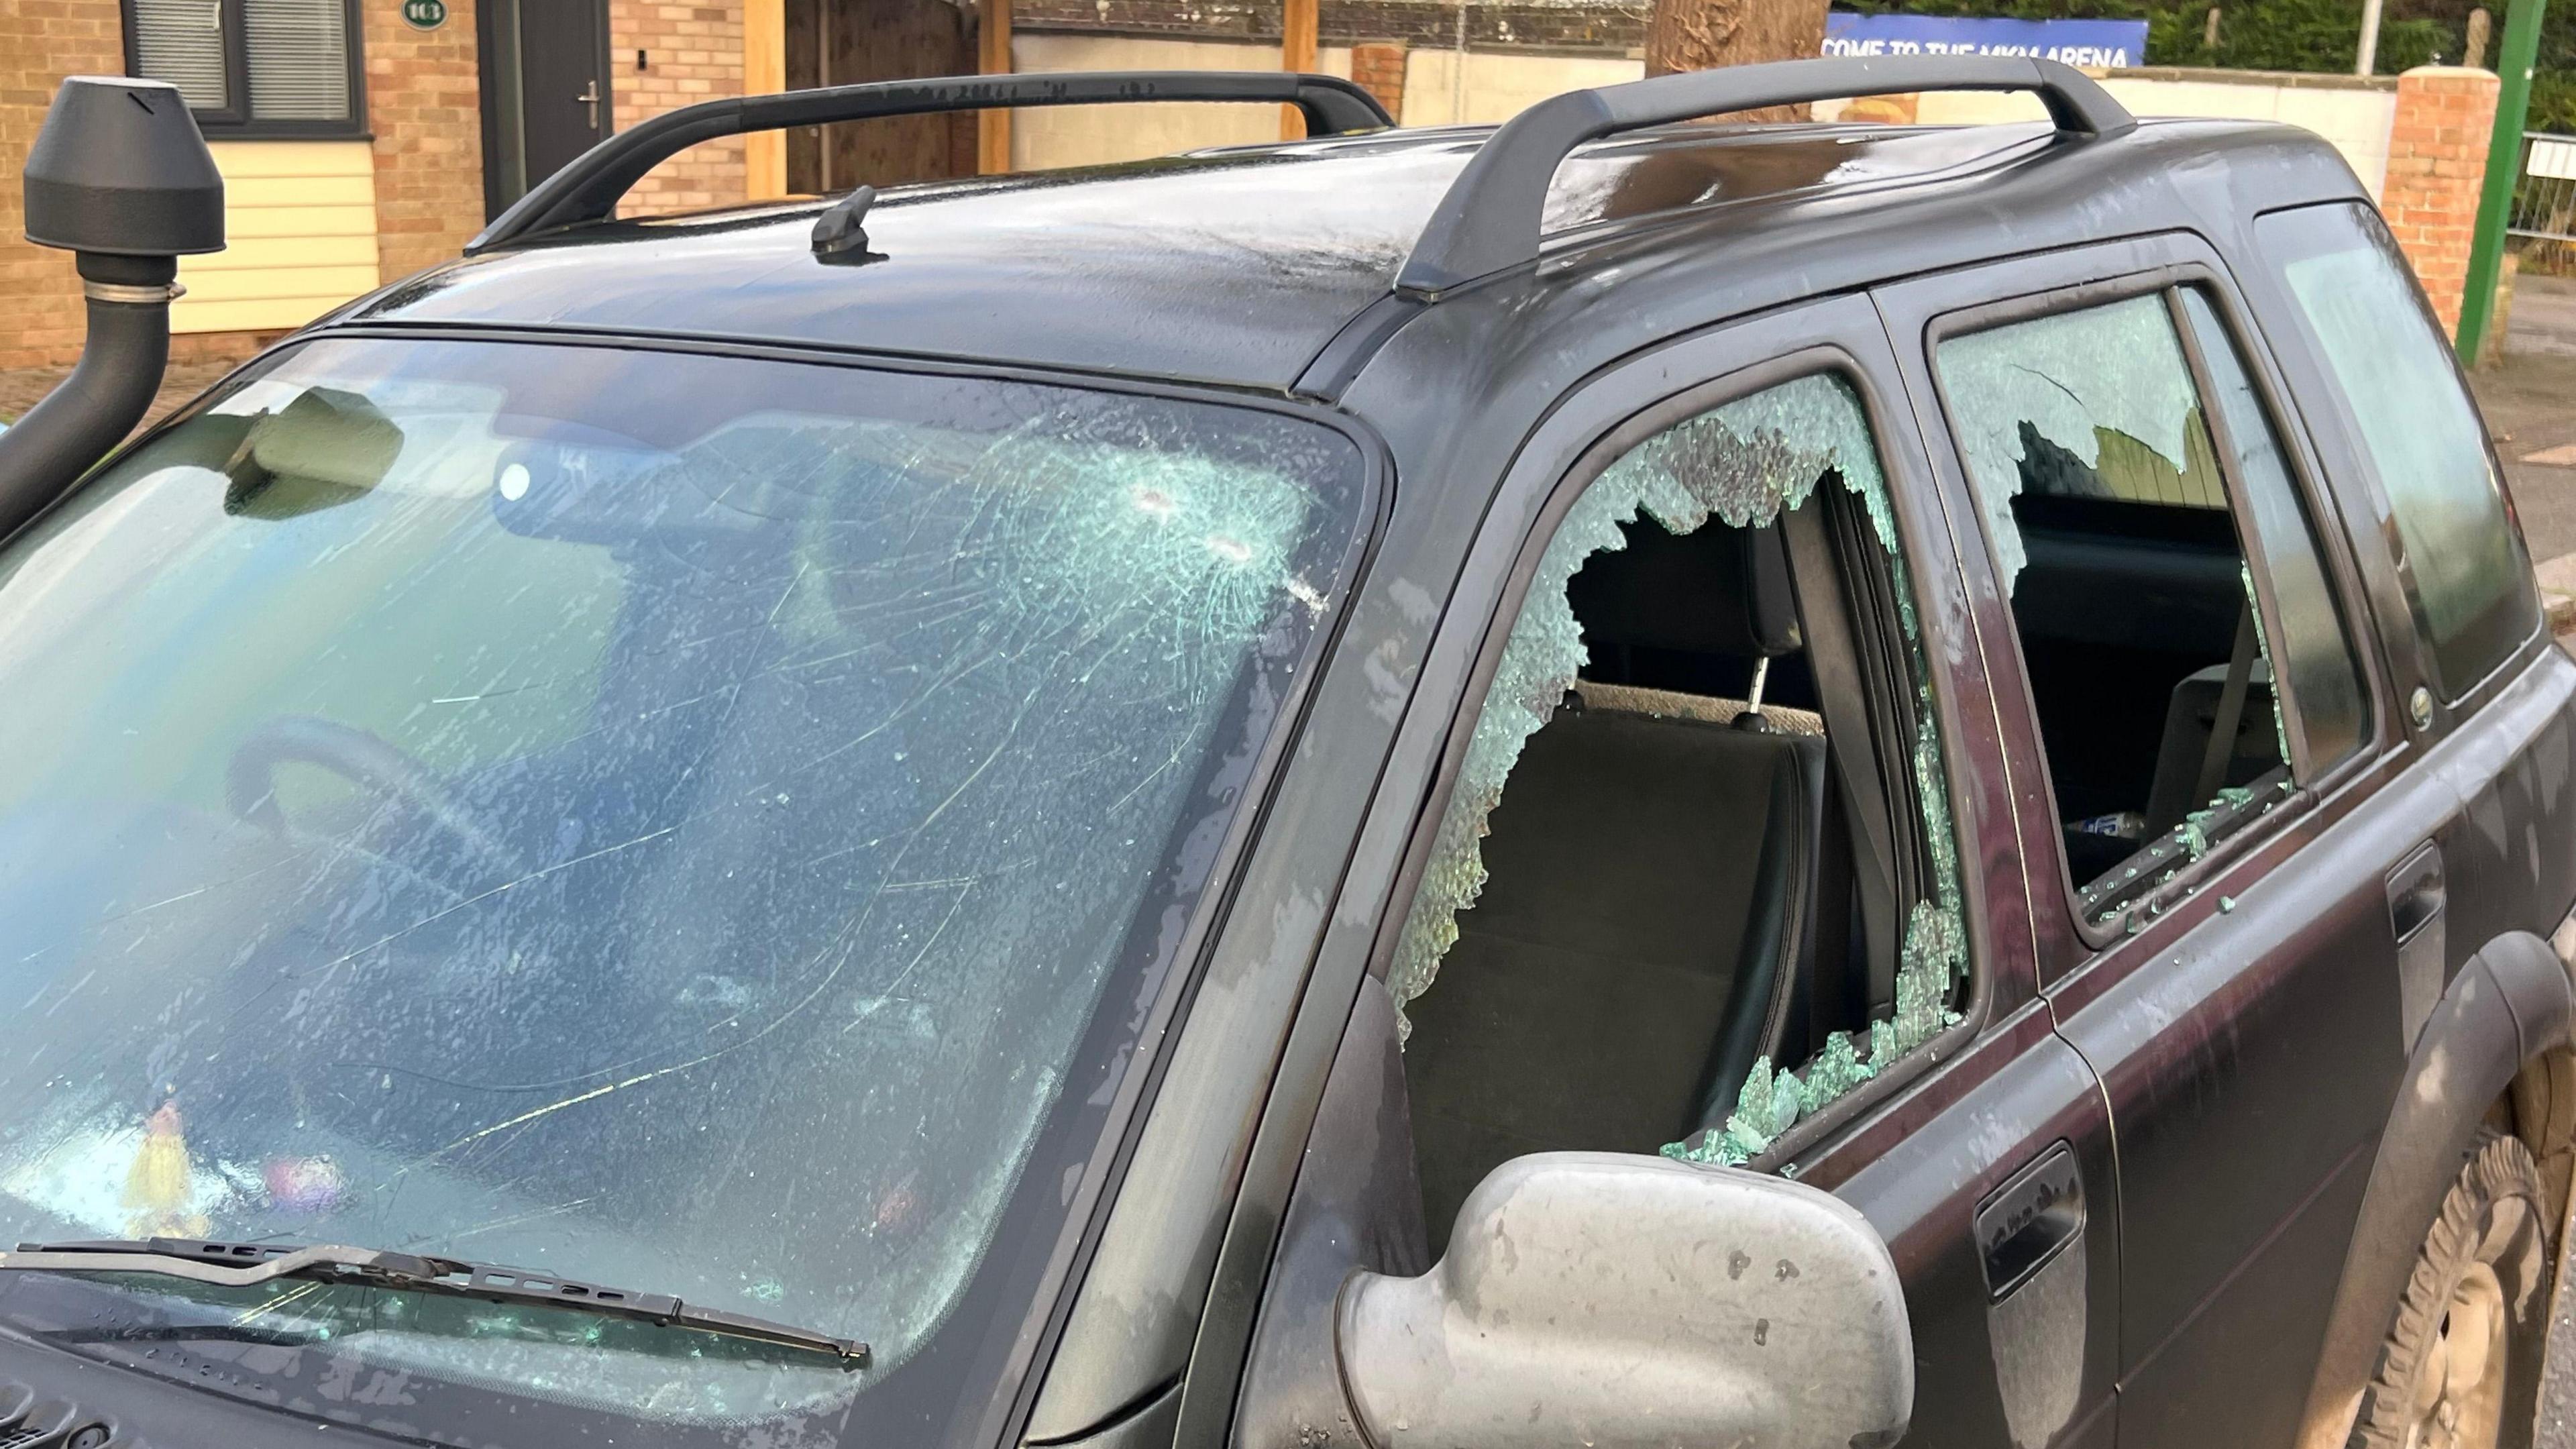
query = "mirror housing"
x=1623 y=1302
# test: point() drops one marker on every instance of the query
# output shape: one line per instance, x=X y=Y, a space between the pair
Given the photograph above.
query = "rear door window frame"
x=2070 y=280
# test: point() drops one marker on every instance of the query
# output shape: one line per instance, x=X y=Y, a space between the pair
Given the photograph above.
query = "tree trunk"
x=1700 y=34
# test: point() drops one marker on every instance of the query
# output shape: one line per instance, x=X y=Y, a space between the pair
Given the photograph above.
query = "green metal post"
x=2504 y=161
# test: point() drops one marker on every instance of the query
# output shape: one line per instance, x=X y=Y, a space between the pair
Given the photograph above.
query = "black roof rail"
x=588 y=188
x=1489 y=220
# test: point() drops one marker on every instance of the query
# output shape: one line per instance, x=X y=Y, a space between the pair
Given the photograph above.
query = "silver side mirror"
x=1597 y=1301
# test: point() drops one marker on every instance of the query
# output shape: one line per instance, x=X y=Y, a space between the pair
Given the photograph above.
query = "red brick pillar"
x=1378 y=67
x=40 y=299
x=2437 y=156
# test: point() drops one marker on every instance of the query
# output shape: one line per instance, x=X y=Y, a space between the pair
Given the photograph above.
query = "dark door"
x=2208 y=846
x=545 y=90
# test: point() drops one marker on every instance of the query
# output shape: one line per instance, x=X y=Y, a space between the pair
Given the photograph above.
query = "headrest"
x=1715 y=590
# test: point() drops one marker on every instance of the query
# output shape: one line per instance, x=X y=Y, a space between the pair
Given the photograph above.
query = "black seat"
x=1650 y=883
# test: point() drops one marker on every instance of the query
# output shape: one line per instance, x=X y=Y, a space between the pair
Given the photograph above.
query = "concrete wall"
x=1498 y=85
x=1444 y=87
x=1043 y=138
x=2352 y=112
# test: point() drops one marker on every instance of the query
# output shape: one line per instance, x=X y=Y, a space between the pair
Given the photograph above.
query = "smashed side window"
x=2102 y=482
x=2096 y=403
x=1740 y=465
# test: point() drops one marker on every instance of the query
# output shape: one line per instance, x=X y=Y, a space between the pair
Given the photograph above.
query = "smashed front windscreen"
x=700 y=824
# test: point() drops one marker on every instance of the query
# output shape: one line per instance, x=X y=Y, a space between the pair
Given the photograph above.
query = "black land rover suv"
x=1613 y=782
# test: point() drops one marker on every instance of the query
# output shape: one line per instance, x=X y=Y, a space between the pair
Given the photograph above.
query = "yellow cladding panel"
x=279 y=221
x=259 y=193
x=258 y=316
x=239 y=160
x=282 y=283
x=300 y=220
x=287 y=253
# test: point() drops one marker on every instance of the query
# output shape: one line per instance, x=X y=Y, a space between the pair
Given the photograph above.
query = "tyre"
x=2461 y=1366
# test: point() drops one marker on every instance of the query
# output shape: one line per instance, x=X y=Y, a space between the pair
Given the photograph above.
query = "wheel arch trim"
x=2509 y=1005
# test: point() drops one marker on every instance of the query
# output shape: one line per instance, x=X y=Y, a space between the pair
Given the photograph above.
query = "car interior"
x=2134 y=620
x=1693 y=864
x=1672 y=890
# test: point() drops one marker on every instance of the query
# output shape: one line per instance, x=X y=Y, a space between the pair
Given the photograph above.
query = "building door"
x=545 y=90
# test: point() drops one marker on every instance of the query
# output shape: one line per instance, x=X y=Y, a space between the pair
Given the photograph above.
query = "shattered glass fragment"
x=1741 y=464
x=1737 y=463
x=2263 y=651
x=2194 y=833
x=2087 y=385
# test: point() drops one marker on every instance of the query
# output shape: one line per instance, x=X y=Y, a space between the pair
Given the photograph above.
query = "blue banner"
x=2110 y=43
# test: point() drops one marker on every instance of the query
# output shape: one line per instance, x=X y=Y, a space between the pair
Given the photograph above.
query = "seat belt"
x=2231 y=712
x=1849 y=743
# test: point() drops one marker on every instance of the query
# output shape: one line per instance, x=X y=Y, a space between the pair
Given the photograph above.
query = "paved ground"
x=2530 y=408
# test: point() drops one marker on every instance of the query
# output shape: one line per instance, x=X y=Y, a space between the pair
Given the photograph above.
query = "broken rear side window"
x=2106 y=490
x=1607 y=950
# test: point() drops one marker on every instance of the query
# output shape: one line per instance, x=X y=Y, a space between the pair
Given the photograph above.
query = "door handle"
x=2028 y=1221
x=2416 y=892
x=589 y=99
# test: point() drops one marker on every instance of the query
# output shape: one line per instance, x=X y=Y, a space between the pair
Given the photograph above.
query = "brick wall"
x=424 y=108
x=692 y=53
x=2437 y=156
x=40 y=298
x=1378 y=67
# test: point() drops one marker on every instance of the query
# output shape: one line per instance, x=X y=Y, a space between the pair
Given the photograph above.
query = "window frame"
x=2165 y=280
x=1823 y=1129
x=2321 y=387
x=1429 y=616
x=235 y=122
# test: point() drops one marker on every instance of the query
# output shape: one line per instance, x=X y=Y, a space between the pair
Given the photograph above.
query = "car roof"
x=1235 y=266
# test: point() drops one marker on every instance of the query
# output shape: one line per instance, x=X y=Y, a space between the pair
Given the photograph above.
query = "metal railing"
x=2544 y=190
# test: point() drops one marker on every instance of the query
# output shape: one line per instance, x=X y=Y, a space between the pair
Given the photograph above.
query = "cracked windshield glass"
x=701 y=825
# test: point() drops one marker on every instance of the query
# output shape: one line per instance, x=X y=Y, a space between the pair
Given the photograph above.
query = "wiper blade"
x=242 y=1265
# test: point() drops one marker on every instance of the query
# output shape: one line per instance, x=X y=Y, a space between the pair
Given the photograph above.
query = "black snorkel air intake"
x=120 y=177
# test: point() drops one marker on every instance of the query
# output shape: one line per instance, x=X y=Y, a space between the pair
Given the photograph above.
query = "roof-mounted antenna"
x=838 y=236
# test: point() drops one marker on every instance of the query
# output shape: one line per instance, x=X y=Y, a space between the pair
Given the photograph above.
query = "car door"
x=2166 y=622
x=1982 y=1153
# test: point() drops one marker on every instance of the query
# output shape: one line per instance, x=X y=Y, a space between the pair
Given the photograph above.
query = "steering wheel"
x=250 y=783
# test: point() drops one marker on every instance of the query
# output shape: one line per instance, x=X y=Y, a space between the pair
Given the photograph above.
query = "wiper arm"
x=242 y=1265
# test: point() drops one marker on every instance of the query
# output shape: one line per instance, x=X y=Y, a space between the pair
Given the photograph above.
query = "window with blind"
x=253 y=67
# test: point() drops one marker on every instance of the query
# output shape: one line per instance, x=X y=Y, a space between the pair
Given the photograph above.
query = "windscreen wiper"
x=241 y=1265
